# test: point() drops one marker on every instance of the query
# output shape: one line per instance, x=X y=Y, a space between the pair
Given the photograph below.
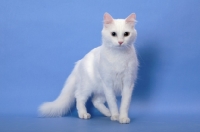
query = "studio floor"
x=140 y=123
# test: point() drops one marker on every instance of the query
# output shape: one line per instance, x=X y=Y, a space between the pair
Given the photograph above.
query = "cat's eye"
x=114 y=34
x=126 y=34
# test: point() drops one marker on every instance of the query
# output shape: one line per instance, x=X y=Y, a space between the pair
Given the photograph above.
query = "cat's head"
x=119 y=32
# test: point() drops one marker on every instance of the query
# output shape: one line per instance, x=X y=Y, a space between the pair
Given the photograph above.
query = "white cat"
x=102 y=73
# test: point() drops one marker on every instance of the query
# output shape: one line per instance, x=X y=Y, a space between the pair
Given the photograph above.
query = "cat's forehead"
x=120 y=24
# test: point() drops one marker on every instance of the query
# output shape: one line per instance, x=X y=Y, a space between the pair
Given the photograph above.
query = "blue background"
x=40 y=41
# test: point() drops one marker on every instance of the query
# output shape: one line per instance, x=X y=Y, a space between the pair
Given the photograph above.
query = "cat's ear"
x=107 y=18
x=131 y=18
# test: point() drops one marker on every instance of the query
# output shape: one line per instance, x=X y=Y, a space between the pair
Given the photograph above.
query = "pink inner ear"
x=107 y=18
x=131 y=18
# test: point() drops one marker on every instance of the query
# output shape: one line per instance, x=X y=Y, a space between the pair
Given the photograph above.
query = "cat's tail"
x=62 y=104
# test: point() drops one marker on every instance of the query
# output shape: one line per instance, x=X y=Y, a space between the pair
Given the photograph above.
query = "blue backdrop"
x=40 y=41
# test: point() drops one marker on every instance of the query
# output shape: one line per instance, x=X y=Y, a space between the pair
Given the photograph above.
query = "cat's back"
x=86 y=69
x=92 y=55
x=90 y=60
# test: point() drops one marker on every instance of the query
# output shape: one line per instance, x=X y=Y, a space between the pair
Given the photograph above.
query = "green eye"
x=114 y=34
x=126 y=34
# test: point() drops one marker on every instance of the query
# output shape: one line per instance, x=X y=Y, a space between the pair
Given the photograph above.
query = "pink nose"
x=120 y=42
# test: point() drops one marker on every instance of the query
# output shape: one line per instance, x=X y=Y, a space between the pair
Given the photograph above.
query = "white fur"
x=105 y=71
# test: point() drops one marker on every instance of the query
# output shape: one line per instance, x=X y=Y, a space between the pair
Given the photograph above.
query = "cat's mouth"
x=120 y=45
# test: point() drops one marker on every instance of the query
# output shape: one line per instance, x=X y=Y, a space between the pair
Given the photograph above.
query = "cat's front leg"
x=111 y=100
x=125 y=103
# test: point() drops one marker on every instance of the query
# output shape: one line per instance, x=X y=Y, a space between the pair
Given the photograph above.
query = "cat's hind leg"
x=80 y=105
x=98 y=101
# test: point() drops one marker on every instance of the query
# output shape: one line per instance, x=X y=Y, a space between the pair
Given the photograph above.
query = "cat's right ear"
x=107 y=19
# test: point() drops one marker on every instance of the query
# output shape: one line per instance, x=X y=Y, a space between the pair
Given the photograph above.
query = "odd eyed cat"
x=102 y=73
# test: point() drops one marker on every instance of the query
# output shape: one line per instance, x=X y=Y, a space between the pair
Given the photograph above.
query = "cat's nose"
x=120 y=42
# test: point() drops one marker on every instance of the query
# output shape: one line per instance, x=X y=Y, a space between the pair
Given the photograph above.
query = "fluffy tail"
x=62 y=104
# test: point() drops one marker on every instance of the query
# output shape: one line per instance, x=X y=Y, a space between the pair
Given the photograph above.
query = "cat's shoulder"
x=93 y=53
x=95 y=50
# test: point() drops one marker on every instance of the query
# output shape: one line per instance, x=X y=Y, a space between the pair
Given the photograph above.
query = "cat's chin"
x=121 y=46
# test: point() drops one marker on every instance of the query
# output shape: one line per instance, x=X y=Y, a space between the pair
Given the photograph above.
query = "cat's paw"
x=84 y=116
x=108 y=114
x=124 y=120
x=114 y=117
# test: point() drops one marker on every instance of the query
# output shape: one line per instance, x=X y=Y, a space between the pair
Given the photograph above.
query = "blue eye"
x=114 y=34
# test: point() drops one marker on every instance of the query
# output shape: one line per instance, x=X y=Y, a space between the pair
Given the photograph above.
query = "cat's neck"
x=115 y=55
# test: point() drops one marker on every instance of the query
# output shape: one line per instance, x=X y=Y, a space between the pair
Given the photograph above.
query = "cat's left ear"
x=131 y=19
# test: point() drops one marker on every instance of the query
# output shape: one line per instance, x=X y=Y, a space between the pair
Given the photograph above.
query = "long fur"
x=62 y=104
x=104 y=71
